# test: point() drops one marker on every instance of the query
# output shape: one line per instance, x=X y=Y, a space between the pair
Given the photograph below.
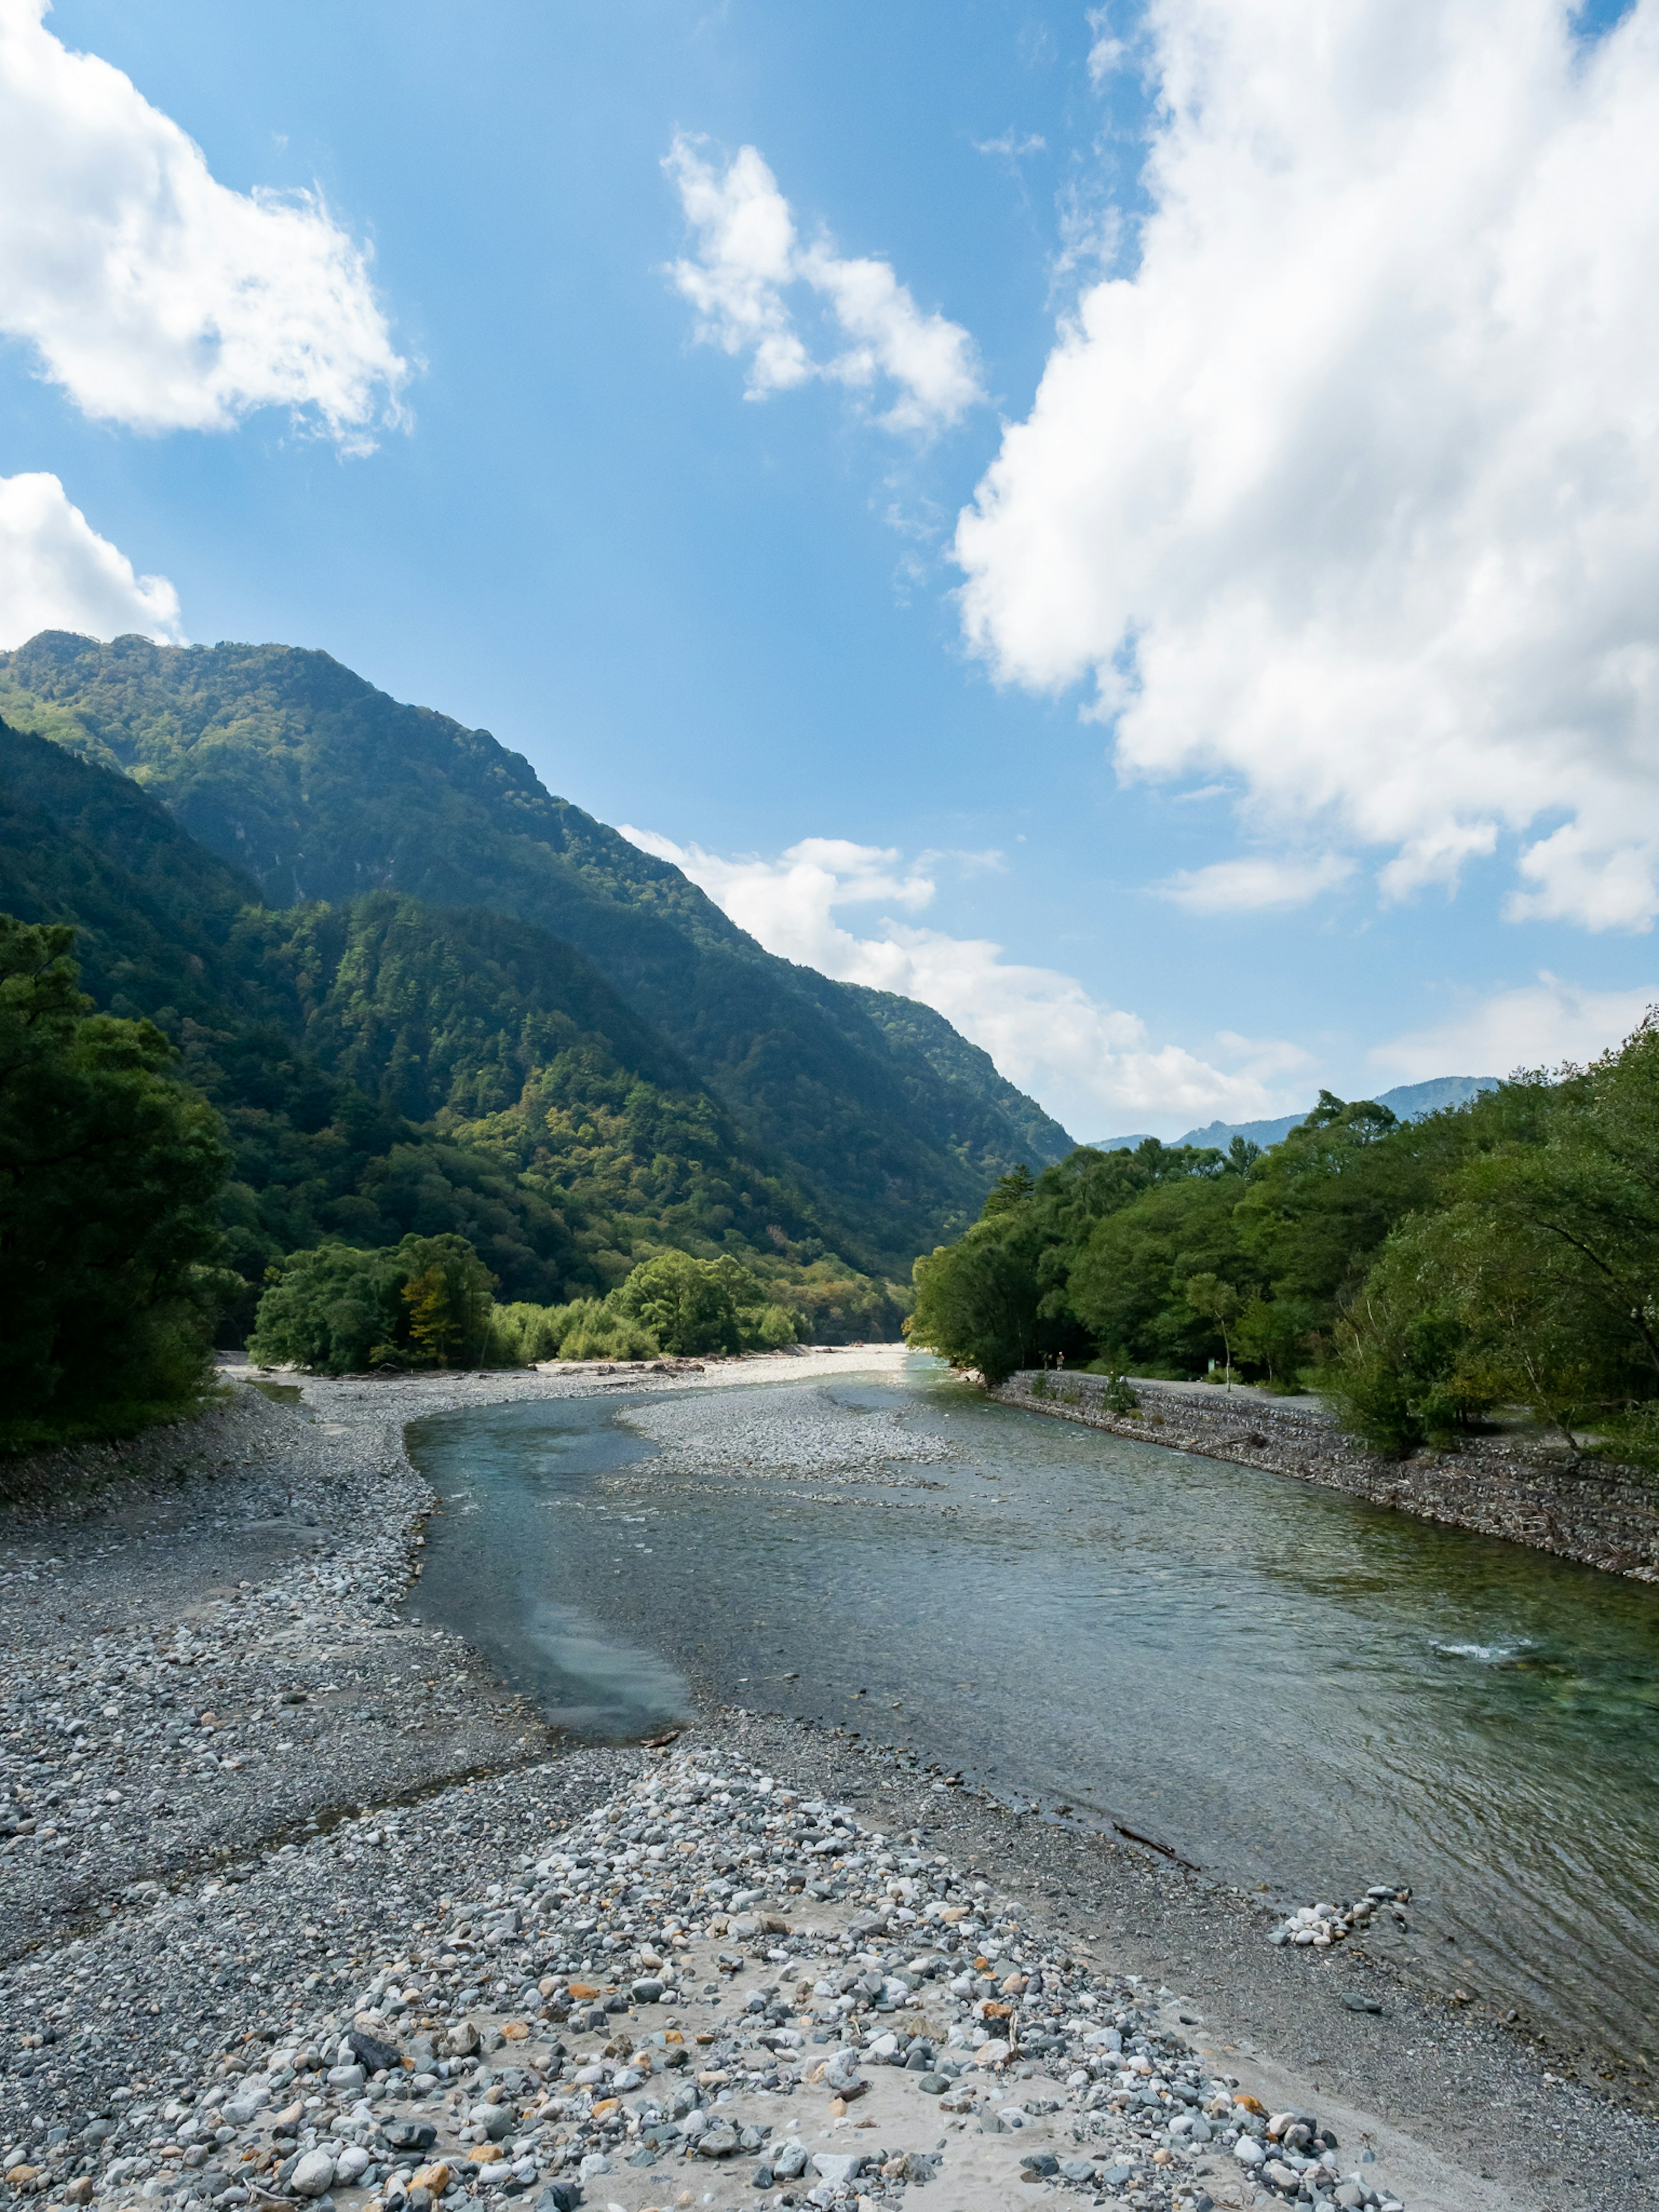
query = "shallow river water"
x=1278 y=1683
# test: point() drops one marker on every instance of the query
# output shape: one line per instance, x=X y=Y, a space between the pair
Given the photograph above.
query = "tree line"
x=1503 y=1253
x=429 y=1302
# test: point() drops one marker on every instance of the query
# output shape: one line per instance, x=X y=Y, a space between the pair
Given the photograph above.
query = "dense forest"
x=1501 y=1253
x=315 y=786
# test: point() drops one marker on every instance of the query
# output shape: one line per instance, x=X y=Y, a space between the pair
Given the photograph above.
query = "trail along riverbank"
x=280 y=1902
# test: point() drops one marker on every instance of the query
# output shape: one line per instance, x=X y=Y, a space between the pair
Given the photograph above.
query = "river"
x=1281 y=1685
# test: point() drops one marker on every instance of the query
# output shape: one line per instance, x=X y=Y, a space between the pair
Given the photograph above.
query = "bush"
x=521 y=1335
x=596 y=1330
x=778 y=1326
x=110 y=1176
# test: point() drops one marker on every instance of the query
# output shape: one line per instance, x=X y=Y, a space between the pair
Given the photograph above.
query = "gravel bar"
x=303 y=1908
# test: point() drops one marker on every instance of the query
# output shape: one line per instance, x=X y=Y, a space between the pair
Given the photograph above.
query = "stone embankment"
x=1600 y=1517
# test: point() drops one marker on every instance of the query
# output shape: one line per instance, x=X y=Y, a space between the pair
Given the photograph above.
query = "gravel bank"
x=240 y=1902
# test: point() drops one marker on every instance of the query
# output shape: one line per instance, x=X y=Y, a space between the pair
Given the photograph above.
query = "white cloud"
x=57 y=573
x=155 y=296
x=1011 y=146
x=1351 y=489
x=749 y=258
x=1256 y=886
x=1538 y=1025
x=1089 y=1064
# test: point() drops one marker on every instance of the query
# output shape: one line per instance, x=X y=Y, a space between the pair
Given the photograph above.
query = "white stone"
x=838 y=2167
x=314 y=2174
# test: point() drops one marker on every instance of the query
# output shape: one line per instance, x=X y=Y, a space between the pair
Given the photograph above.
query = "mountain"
x=1409 y=1102
x=317 y=787
x=383 y=1066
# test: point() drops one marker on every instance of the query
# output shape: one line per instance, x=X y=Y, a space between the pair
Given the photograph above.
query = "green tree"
x=1215 y=1300
x=1533 y=1281
x=336 y=1310
x=110 y=1175
x=1128 y=1285
x=977 y=1303
x=1009 y=1193
x=689 y=1305
x=449 y=1300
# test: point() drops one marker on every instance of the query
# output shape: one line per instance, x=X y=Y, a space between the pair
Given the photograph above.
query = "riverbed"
x=1279 y=1686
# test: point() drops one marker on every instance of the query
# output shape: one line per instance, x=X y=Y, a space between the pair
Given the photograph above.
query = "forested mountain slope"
x=383 y=1066
x=321 y=787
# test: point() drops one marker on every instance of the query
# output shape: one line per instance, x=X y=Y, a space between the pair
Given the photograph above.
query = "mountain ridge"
x=286 y=764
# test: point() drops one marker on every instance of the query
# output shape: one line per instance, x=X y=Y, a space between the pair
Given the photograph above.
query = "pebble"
x=705 y=1968
x=1317 y=1927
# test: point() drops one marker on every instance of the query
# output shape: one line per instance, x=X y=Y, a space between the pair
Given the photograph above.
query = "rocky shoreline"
x=258 y=1808
x=1600 y=1517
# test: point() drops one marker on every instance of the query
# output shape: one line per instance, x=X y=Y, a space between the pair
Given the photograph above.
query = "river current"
x=1281 y=1685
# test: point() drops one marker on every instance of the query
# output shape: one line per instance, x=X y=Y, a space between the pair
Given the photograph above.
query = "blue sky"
x=1202 y=749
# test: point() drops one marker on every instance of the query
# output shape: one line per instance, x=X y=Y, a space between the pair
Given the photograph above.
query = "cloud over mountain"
x=57 y=573
x=1083 y=1059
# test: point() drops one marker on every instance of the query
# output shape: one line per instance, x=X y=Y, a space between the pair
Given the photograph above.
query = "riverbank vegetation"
x=1425 y=1275
x=428 y=1302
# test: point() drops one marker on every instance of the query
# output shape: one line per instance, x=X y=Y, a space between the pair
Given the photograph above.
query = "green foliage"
x=523 y=1334
x=282 y=762
x=1531 y=1281
x=424 y=1302
x=1009 y=1193
x=1121 y=1396
x=1214 y=1299
x=595 y=1329
x=449 y=1304
x=1405 y=1371
x=110 y=1173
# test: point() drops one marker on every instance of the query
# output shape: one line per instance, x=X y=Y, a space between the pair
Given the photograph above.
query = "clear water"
x=1280 y=1685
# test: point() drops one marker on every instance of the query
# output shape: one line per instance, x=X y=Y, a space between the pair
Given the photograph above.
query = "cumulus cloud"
x=1088 y=1063
x=1350 y=488
x=57 y=573
x=1256 y=886
x=154 y=295
x=1537 y=1025
x=749 y=259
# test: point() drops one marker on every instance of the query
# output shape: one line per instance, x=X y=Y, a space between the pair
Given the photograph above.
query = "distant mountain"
x=298 y=772
x=1409 y=1101
x=1119 y=1144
